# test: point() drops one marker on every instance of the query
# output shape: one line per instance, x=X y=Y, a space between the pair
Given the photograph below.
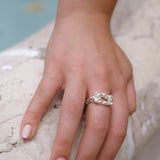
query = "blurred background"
x=21 y=18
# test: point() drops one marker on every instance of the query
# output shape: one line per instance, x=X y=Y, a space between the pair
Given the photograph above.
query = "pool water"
x=21 y=18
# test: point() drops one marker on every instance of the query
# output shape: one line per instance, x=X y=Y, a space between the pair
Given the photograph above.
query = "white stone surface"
x=151 y=149
x=136 y=29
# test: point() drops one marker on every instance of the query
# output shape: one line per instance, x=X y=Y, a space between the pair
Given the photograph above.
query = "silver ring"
x=100 y=98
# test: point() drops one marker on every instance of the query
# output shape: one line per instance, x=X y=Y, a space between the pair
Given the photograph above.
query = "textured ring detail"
x=100 y=98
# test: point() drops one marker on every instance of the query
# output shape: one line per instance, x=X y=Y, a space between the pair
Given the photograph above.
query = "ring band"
x=100 y=98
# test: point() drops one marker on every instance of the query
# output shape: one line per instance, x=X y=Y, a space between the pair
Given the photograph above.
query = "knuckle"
x=130 y=68
x=132 y=109
x=50 y=78
x=119 y=131
x=86 y=157
x=63 y=143
x=47 y=82
x=73 y=66
x=108 y=155
x=33 y=115
x=72 y=109
x=121 y=85
x=98 y=125
x=40 y=94
x=127 y=73
x=102 y=71
x=122 y=81
x=76 y=68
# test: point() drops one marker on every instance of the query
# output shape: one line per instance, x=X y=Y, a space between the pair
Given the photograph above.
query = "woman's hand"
x=82 y=58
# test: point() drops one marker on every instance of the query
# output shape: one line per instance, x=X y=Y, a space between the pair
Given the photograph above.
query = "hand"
x=82 y=58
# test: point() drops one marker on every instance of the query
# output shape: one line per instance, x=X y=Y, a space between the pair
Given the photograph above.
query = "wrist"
x=92 y=8
x=97 y=22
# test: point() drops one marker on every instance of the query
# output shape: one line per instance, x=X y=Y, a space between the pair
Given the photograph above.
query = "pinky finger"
x=131 y=94
x=118 y=127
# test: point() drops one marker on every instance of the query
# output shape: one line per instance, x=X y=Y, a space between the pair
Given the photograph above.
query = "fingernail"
x=26 y=131
x=61 y=158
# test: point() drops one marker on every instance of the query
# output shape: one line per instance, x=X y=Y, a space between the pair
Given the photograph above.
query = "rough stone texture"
x=136 y=29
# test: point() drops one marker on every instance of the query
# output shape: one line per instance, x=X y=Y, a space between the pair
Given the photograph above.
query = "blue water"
x=21 y=18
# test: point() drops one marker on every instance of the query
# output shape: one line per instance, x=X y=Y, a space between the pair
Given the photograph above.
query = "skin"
x=82 y=57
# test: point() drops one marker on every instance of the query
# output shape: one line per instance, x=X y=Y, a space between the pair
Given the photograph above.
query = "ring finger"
x=97 y=123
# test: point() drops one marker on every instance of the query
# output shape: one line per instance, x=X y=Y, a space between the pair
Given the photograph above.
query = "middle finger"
x=71 y=111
